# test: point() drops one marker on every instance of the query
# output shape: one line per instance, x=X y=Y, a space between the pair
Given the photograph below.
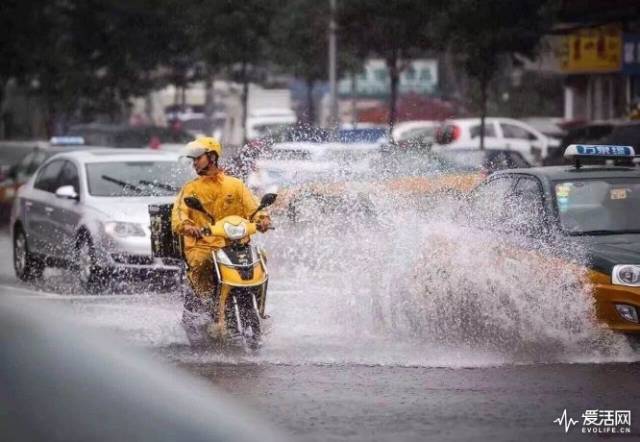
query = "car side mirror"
x=268 y=199
x=194 y=203
x=67 y=192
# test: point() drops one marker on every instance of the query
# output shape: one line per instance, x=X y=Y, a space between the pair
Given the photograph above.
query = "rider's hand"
x=192 y=231
x=263 y=224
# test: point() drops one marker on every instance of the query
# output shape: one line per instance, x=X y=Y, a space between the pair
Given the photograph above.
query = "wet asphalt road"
x=358 y=403
x=343 y=401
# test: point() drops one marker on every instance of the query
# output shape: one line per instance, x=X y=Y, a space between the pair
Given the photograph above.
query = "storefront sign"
x=592 y=50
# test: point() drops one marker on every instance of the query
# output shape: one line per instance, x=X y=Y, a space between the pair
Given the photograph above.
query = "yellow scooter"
x=241 y=276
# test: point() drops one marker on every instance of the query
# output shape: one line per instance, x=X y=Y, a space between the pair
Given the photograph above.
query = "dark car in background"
x=621 y=133
x=114 y=135
x=25 y=159
x=625 y=134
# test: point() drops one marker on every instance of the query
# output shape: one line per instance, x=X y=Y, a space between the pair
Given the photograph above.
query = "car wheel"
x=27 y=266
x=89 y=274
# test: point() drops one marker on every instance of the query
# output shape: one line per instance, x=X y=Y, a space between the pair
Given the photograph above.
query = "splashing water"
x=418 y=288
x=411 y=285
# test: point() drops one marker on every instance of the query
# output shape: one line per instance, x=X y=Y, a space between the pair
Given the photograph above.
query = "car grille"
x=132 y=259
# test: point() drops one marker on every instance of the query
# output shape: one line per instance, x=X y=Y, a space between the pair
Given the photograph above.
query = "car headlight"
x=626 y=274
x=123 y=229
x=222 y=257
x=627 y=312
x=235 y=232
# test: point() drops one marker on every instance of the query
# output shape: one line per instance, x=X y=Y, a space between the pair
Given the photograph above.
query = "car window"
x=137 y=178
x=69 y=176
x=524 y=209
x=513 y=131
x=489 y=130
x=487 y=202
x=47 y=178
x=599 y=205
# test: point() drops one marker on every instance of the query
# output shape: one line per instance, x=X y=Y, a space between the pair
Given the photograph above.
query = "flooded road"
x=341 y=361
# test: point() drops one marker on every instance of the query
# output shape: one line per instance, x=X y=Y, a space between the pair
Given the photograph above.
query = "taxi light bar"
x=577 y=152
x=66 y=141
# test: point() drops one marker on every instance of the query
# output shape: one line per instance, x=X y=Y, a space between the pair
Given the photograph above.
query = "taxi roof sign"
x=66 y=141
x=598 y=150
x=595 y=152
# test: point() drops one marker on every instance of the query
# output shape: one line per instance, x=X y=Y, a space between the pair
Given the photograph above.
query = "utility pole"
x=333 y=103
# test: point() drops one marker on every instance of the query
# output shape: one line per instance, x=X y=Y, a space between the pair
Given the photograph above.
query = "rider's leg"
x=198 y=301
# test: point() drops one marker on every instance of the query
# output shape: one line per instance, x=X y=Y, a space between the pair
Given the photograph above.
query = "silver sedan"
x=88 y=210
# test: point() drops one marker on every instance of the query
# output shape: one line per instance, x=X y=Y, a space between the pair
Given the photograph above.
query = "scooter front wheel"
x=244 y=320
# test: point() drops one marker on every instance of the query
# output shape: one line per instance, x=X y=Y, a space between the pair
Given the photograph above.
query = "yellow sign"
x=592 y=50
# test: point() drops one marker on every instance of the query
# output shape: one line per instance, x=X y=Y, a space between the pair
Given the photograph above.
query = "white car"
x=500 y=133
x=420 y=130
x=88 y=210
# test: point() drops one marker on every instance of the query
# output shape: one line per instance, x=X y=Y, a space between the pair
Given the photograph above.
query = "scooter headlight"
x=626 y=274
x=222 y=258
x=235 y=232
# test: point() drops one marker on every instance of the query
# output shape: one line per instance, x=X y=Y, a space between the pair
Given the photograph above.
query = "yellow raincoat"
x=221 y=196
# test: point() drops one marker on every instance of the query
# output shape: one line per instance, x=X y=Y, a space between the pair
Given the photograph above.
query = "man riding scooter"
x=221 y=196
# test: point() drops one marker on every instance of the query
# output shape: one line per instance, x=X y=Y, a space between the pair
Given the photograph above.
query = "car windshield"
x=599 y=206
x=137 y=178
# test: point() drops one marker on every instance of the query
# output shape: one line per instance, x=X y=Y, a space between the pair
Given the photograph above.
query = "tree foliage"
x=480 y=32
x=395 y=31
x=88 y=57
x=300 y=44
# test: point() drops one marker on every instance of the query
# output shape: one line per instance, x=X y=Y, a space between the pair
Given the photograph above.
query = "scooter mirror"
x=194 y=203
x=268 y=199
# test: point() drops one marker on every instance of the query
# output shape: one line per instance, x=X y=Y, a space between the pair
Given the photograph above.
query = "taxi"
x=595 y=204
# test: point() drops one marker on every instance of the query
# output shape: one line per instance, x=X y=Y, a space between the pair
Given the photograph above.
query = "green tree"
x=86 y=58
x=299 y=44
x=397 y=31
x=119 y=46
x=236 y=35
x=483 y=31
